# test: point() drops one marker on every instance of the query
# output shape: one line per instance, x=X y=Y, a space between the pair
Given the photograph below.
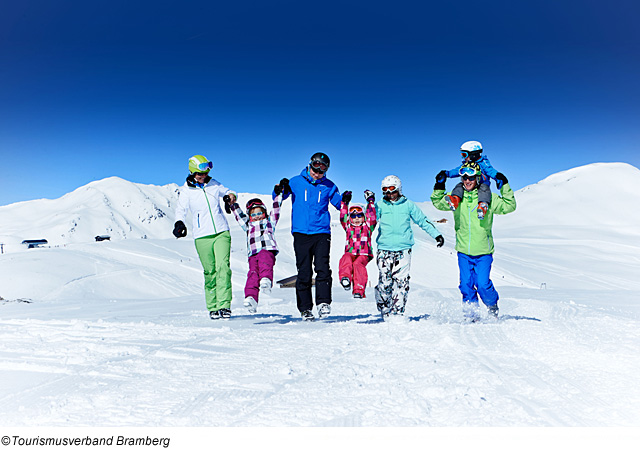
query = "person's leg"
x=204 y=248
x=383 y=290
x=466 y=265
x=251 y=288
x=458 y=190
x=302 y=248
x=321 y=259
x=266 y=261
x=360 y=275
x=487 y=291
x=484 y=193
x=222 y=252
x=345 y=267
x=401 y=278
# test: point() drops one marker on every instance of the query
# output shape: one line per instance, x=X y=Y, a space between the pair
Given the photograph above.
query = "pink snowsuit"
x=358 y=250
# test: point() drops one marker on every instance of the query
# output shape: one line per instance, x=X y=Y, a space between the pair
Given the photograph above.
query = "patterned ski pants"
x=393 y=281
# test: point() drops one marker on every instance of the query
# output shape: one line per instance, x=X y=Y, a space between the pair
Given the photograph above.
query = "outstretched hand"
x=369 y=196
x=501 y=180
x=440 y=241
x=441 y=177
x=346 y=196
x=282 y=187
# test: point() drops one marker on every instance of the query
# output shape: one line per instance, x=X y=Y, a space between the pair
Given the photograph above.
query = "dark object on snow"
x=34 y=243
x=290 y=282
x=103 y=237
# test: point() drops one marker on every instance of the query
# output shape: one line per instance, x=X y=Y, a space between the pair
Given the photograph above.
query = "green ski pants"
x=214 y=252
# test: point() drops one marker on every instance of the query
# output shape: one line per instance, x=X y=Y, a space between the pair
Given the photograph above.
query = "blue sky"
x=132 y=89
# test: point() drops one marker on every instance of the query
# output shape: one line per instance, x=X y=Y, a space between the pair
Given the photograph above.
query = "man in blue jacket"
x=311 y=193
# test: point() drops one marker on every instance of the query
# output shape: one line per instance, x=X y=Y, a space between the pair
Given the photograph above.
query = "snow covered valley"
x=115 y=333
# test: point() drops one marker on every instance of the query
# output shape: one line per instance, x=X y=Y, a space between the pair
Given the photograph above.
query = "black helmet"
x=318 y=160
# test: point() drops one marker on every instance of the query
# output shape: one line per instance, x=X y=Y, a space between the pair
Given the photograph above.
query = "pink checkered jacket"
x=359 y=240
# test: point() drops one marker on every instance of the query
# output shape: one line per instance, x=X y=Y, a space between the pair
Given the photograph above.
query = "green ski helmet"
x=200 y=164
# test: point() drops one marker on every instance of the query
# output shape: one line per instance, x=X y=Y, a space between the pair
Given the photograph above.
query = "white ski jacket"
x=203 y=201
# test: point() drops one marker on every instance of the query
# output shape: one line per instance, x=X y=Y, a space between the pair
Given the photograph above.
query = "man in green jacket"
x=474 y=239
x=395 y=213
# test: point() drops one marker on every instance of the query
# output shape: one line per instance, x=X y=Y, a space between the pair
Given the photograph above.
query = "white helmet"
x=392 y=180
x=471 y=146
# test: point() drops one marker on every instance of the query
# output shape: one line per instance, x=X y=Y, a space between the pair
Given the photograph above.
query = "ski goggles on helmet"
x=205 y=166
x=318 y=167
x=468 y=172
x=389 y=189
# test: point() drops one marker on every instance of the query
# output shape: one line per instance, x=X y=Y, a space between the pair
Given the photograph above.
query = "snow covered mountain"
x=113 y=206
x=116 y=333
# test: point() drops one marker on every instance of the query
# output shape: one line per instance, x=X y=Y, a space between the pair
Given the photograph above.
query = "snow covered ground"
x=116 y=333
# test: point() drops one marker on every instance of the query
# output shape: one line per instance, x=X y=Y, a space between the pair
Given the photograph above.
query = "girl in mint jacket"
x=395 y=213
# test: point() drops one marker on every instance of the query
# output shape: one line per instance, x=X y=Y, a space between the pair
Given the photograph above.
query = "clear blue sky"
x=92 y=89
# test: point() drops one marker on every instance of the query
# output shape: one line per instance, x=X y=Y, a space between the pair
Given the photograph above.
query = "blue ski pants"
x=474 y=279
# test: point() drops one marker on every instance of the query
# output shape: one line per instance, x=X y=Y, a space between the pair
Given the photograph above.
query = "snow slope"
x=116 y=333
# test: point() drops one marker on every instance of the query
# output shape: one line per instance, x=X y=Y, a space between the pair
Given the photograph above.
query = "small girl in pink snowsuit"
x=358 y=251
x=261 y=246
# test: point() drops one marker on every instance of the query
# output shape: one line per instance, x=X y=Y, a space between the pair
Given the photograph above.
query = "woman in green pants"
x=201 y=195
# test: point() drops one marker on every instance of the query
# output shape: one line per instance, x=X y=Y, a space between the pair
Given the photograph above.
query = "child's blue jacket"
x=485 y=166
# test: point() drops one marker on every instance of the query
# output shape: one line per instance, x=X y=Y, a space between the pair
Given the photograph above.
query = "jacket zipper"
x=215 y=231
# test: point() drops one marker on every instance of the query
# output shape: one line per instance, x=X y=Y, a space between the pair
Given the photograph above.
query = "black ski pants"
x=312 y=250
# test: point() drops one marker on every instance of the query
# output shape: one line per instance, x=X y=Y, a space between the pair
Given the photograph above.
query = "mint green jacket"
x=474 y=236
x=394 y=224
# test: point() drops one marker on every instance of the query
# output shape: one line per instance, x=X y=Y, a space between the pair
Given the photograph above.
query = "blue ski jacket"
x=310 y=203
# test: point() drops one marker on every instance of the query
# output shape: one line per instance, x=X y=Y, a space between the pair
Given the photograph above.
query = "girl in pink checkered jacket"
x=261 y=246
x=359 y=225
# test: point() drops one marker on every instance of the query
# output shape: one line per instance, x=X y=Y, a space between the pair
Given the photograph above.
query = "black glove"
x=277 y=189
x=369 y=196
x=346 y=196
x=227 y=203
x=284 y=184
x=500 y=180
x=179 y=229
x=440 y=241
x=441 y=177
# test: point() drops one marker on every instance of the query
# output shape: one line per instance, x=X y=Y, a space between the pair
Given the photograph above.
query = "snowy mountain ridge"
x=127 y=210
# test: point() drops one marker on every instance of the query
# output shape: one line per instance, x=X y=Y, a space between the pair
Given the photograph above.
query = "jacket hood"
x=307 y=176
x=191 y=180
x=400 y=200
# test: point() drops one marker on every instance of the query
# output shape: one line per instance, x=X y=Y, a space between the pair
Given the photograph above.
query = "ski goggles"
x=389 y=188
x=356 y=215
x=473 y=155
x=468 y=172
x=257 y=214
x=318 y=167
x=205 y=166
